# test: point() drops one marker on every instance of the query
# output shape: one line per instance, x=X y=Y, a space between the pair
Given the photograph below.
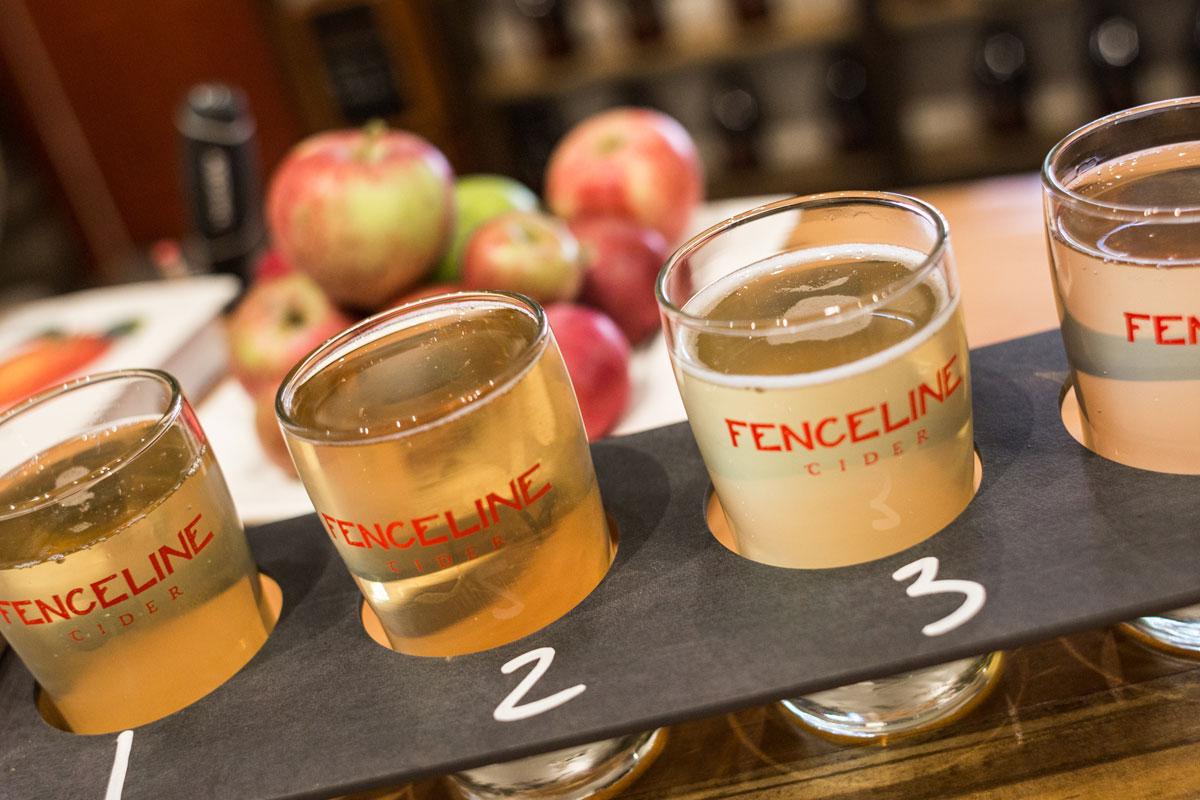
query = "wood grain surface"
x=997 y=234
x=1094 y=715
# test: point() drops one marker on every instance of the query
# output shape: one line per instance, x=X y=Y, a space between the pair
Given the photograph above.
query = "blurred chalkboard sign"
x=356 y=60
x=349 y=61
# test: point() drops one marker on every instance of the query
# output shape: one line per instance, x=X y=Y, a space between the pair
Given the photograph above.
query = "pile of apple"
x=363 y=220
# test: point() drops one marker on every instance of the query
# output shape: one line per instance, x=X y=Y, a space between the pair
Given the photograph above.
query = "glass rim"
x=114 y=466
x=934 y=256
x=1123 y=211
x=385 y=323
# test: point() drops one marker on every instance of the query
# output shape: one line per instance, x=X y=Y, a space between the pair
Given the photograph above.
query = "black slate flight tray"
x=1061 y=539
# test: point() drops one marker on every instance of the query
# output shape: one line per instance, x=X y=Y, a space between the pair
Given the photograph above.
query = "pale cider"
x=831 y=443
x=1128 y=293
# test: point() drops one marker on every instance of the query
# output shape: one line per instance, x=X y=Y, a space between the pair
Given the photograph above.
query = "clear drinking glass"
x=595 y=770
x=444 y=451
x=128 y=588
x=819 y=349
x=1122 y=203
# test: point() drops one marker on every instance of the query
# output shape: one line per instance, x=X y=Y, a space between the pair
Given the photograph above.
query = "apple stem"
x=610 y=144
x=293 y=318
x=368 y=151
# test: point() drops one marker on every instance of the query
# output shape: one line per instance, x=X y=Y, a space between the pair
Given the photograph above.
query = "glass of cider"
x=445 y=454
x=126 y=583
x=444 y=451
x=1122 y=203
x=819 y=348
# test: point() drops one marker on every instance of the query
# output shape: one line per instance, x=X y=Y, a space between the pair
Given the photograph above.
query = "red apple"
x=527 y=252
x=597 y=357
x=278 y=322
x=365 y=213
x=267 y=429
x=623 y=259
x=631 y=162
x=428 y=290
x=271 y=265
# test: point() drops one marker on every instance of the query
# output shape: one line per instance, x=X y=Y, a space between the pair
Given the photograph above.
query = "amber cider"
x=448 y=465
x=126 y=584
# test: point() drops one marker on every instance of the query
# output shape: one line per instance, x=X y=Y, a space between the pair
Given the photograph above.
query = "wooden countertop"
x=996 y=232
x=1092 y=715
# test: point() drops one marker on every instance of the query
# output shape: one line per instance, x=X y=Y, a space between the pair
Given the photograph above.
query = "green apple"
x=478 y=198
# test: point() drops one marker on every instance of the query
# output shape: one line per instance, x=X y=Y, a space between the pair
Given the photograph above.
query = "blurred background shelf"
x=634 y=61
x=991 y=152
x=843 y=171
x=780 y=95
x=909 y=16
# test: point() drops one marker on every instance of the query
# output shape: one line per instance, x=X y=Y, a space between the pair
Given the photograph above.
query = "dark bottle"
x=550 y=18
x=1114 y=48
x=751 y=10
x=737 y=113
x=645 y=19
x=222 y=186
x=847 y=86
x=1002 y=75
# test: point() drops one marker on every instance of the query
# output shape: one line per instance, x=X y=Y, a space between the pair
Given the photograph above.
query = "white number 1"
x=927 y=582
x=116 y=779
x=511 y=709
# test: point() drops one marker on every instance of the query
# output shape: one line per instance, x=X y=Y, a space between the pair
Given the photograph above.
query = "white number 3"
x=927 y=582
x=511 y=709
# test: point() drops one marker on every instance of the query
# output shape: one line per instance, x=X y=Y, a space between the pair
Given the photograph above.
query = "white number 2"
x=511 y=709
x=927 y=582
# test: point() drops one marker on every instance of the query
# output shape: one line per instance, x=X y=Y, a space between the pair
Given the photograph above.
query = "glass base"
x=595 y=771
x=1176 y=632
x=913 y=702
